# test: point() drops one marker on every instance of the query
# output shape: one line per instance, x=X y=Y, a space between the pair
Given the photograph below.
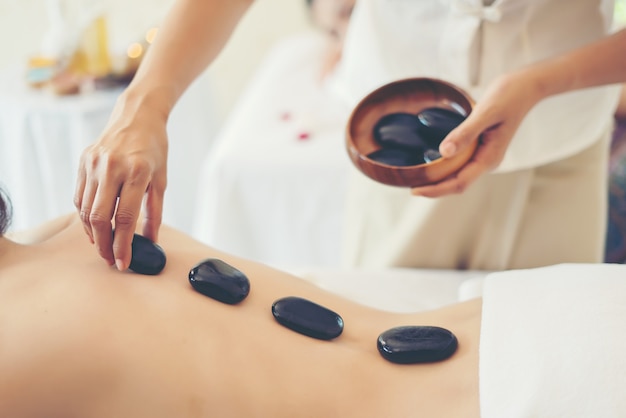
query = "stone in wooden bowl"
x=393 y=134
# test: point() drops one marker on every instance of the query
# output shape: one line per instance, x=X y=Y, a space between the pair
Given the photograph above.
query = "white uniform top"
x=469 y=43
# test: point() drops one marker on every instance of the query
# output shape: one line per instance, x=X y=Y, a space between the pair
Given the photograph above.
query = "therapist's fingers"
x=86 y=204
x=97 y=202
x=107 y=202
x=127 y=212
x=81 y=182
x=101 y=215
x=489 y=153
x=493 y=122
x=455 y=184
x=467 y=132
x=153 y=209
x=504 y=104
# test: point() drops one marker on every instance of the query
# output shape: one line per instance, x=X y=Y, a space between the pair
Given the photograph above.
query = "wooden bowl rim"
x=354 y=151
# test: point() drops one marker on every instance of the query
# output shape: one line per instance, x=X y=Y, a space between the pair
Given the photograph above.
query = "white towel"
x=553 y=342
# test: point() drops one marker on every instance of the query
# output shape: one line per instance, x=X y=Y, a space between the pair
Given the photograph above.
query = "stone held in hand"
x=220 y=281
x=147 y=256
x=431 y=155
x=399 y=130
x=416 y=344
x=307 y=318
x=397 y=157
x=436 y=123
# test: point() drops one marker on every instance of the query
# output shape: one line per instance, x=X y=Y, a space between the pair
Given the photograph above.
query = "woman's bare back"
x=81 y=339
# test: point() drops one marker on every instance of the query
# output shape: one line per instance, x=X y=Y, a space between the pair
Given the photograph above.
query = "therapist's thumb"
x=460 y=137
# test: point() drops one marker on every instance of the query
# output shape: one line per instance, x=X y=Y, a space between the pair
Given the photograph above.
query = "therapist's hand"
x=493 y=122
x=124 y=168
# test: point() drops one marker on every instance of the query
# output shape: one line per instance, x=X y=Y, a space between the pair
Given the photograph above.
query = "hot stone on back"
x=416 y=344
x=220 y=281
x=147 y=257
x=307 y=318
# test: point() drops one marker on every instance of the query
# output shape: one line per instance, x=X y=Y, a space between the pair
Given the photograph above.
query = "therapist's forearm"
x=597 y=64
x=192 y=35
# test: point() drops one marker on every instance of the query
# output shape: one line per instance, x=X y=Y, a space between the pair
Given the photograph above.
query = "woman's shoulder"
x=44 y=231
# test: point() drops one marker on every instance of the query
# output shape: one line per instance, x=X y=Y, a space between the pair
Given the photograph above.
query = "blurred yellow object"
x=92 y=57
x=40 y=70
x=135 y=50
x=41 y=62
x=151 y=34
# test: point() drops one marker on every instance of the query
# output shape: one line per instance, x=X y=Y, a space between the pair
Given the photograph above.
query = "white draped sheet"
x=265 y=193
x=552 y=342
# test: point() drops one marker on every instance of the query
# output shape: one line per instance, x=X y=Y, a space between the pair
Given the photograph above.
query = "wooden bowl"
x=411 y=96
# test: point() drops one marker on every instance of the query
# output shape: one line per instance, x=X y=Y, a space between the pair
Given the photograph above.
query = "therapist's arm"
x=126 y=166
x=508 y=99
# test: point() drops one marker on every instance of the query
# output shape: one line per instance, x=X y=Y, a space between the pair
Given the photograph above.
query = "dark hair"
x=5 y=212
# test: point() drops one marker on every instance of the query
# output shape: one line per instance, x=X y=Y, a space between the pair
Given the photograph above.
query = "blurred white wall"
x=24 y=24
x=266 y=21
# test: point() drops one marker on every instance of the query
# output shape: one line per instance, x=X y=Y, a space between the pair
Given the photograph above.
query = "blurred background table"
x=42 y=137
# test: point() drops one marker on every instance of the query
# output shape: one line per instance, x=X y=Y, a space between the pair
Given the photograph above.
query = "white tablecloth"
x=273 y=187
x=42 y=137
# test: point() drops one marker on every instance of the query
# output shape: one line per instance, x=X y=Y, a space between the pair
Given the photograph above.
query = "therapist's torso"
x=469 y=43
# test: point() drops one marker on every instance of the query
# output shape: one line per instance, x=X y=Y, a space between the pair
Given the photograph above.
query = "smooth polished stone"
x=436 y=123
x=397 y=157
x=147 y=257
x=399 y=130
x=308 y=318
x=417 y=344
x=220 y=281
x=431 y=155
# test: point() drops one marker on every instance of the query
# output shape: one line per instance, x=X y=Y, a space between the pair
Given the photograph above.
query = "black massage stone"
x=308 y=318
x=399 y=130
x=397 y=157
x=147 y=257
x=220 y=281
x=431 y=155
x=417 y=344
x=436 y=123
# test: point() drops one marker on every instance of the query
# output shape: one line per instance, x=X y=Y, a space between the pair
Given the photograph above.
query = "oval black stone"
x=397 y=157
x=416 y=344
x=220 y=281
x=399 y=130
x=308 y=318
x=431 y=155
x=147 y=257
x=436 y=123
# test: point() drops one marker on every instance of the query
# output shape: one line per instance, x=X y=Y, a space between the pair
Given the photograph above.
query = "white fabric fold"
x=490 y=13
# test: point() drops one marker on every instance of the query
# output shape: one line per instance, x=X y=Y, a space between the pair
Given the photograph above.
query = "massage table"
x=552 y=341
